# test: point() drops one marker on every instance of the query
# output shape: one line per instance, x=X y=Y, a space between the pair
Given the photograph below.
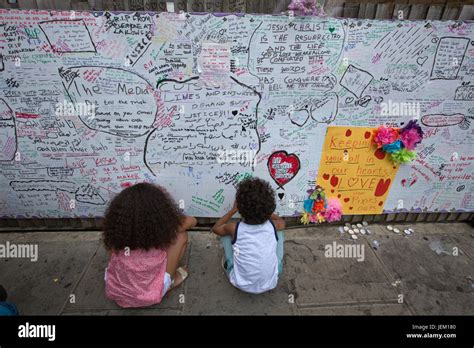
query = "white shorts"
x=167 y=283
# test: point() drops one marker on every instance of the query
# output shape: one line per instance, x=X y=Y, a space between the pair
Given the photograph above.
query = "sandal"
x=183 y=273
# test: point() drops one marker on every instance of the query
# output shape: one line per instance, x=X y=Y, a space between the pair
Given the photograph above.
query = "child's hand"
x=234 y=207
x=222 y=227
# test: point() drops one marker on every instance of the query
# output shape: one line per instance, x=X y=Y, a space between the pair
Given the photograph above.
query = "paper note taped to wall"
x=214 y=64
x=353 y=170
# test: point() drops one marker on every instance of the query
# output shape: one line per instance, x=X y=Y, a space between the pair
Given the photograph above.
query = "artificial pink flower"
x=411 y=135
x=333 y=210
x=306 y=7
x=410 y=138
x=385 y=135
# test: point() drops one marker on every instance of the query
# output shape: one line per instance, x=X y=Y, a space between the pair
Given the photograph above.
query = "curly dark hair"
x=255 y=200
x=142 y=216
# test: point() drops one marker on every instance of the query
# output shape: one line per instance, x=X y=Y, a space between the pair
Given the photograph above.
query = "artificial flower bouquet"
x=399 y=143
x=317 y=208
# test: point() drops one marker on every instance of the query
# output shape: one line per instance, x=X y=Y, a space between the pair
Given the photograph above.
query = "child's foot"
x=180 y=276
x=224 y=263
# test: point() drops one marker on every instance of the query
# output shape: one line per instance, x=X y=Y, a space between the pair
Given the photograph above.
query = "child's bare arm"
x=223 y=227
x=278 y=222
x=187 y=223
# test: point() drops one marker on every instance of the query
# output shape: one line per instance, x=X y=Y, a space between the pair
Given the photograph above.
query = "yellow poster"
x=353 y=170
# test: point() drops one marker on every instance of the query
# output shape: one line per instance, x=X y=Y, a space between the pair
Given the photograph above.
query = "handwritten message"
x=353 y=170
x=94 y=102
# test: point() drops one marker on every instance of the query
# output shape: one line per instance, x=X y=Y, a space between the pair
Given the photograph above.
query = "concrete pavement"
x=430 y=272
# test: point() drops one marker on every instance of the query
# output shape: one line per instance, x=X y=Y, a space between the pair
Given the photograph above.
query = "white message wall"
x=173 y=100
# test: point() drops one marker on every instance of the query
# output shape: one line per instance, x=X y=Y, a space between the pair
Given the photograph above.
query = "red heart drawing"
x=325 y=176
x=380 y=154
x=346 y=199
x=352 y=181
x=382 y=187
x=283 y=167
x=334 y=181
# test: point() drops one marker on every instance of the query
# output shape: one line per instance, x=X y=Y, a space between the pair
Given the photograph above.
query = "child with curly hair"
x=145 y=234
x=253 y=247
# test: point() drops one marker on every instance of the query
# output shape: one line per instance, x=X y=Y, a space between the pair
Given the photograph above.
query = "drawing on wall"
x=283 y=167
x=8 y=141
x=116 y=95
x=446 y=120
x=322 y=110
x=355 y=80
x=355 y=172
x=70 y=36
x=198 y=103
x=448 y=58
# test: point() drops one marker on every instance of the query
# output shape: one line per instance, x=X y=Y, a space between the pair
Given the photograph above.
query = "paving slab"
x=322 y=280
x=41 y=287
x=90 y=291
x=208 y=290
x=421 y=267
x=426 y=228
x=464 y=241
x=126 y=312
x=374 y=309
x=432 y=279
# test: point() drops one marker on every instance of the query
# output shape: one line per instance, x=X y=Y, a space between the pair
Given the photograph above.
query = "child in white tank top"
x=254 y=246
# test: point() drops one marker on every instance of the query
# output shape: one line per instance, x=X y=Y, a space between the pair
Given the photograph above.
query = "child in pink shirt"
x=146 y=236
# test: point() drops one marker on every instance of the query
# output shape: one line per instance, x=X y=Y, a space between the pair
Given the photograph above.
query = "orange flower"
x=318 y=206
